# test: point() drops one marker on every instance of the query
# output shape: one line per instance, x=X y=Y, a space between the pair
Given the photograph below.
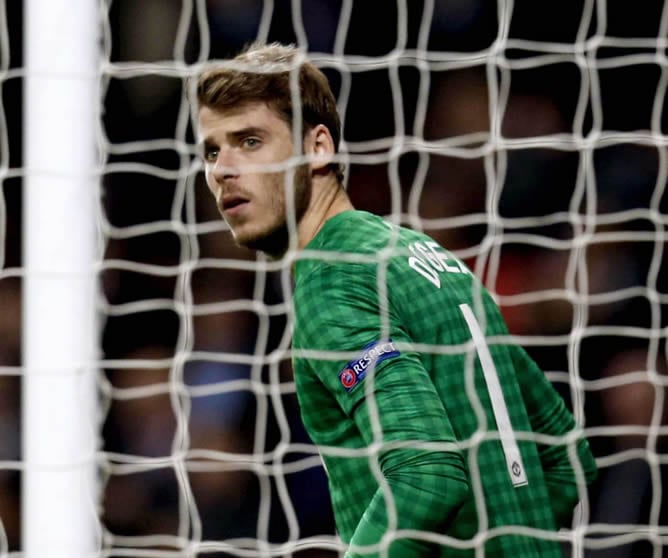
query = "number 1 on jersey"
x=511 y=450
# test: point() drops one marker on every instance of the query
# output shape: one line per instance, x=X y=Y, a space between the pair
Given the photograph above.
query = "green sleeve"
x=548 y=415
x=428 y=487
x=395 y=403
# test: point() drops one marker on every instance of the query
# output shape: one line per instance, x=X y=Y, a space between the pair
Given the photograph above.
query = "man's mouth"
x=233 y=204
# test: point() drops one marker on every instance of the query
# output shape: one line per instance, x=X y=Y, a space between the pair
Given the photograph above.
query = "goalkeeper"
x=402 y=359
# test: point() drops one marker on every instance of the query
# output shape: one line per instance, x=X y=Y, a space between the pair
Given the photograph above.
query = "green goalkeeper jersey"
x=434 y=427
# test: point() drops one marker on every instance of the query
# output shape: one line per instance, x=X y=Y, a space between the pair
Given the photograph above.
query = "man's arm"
x=428 y=486
x=548 y=415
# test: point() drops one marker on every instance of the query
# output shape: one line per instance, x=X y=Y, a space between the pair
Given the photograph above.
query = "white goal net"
x=529 y=138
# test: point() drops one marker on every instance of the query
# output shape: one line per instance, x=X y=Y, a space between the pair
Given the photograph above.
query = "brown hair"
x=263 y=73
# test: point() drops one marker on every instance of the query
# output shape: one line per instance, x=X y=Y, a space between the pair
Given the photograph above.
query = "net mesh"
x=528 y=138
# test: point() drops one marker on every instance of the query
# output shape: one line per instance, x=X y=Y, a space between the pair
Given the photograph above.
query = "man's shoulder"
x=352 y=231
x=355 y=246
x=346 y=244
x=359 y=232
x=320 y=276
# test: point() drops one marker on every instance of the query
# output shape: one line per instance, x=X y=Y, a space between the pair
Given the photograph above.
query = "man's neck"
x=328 y=199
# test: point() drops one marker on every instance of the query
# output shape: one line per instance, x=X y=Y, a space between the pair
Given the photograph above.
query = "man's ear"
x=320 y=147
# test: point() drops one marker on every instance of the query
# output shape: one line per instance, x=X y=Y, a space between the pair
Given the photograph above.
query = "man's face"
x=246 y=152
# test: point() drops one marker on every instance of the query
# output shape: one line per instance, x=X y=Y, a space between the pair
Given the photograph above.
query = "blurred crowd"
x=569 y=240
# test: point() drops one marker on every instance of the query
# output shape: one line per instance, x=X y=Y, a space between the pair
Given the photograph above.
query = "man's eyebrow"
x=248 y=131
x=205 y=143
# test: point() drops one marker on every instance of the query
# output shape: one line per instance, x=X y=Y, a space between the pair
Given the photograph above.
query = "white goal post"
x=203 y=425
x=60 y=329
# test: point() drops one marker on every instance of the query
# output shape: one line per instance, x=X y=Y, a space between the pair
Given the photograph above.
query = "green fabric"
x=409 y=418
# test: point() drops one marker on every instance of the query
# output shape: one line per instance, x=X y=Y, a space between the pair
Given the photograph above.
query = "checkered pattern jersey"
x=417 y=459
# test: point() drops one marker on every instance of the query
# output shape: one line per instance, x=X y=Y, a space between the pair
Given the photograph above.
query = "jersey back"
x=379 y=307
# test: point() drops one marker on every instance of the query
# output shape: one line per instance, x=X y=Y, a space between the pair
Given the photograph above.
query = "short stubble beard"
x=275 y=243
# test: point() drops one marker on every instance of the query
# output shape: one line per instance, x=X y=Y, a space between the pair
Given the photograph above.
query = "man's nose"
x=226 y=166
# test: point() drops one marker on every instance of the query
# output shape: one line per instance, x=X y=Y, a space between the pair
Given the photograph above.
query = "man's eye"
x=251 y=143
x=210 y=155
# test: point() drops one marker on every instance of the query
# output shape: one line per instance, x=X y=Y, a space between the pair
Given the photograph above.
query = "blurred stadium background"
x=451 y=204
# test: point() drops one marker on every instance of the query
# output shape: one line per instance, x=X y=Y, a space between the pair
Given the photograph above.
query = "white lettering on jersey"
x=429 y=259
